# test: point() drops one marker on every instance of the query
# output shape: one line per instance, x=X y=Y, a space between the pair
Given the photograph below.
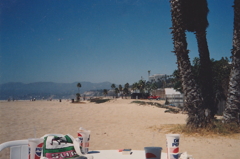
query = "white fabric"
x=184 y=155
x=114 y=154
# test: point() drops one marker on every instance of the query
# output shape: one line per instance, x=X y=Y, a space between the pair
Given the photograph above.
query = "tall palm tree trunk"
x=205 y=73
x=197 y=115
x=232 y=111
x=195 y=20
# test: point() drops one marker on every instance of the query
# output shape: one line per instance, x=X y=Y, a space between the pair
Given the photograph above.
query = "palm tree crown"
x=79 y=86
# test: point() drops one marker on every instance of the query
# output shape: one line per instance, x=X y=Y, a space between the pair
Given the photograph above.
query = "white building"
x=156 y=77
x=174 y=97
x=171 y=91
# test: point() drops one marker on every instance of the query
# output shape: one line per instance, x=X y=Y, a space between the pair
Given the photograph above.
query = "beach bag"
x=59 y=147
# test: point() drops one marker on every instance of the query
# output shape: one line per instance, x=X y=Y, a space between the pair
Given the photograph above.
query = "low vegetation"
x=169 y=108
x=217 y=129
x=99 y=100
x=78 y=102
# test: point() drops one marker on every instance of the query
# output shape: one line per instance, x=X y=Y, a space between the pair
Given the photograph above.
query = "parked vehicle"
x=154 y=97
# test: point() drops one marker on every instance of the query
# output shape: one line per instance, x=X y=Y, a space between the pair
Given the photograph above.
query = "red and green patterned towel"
x=59 y=147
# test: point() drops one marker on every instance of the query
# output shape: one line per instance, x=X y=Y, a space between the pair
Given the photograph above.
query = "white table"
x=19 y=150
x=114 y=154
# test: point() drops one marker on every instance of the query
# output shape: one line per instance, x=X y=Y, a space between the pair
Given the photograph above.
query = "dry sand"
x=115 y=124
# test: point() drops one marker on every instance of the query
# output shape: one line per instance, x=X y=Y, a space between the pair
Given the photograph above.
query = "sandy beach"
x=115 y=124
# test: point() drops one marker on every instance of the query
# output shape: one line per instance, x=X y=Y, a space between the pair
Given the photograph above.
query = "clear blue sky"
x=98 y=40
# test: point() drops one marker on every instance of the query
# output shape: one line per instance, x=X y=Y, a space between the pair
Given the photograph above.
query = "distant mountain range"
x=46 y=90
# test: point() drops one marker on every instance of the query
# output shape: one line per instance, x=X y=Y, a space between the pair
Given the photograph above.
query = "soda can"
x=172 y=146
x=84 y=137
x=35 y=148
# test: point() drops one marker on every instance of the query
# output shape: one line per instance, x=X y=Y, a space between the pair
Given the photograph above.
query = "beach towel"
x=59 y=146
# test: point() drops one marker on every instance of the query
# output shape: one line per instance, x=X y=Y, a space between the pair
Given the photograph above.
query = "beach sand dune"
x=115 y=124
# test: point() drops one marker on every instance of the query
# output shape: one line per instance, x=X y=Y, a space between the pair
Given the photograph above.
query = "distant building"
x=164 y=93
x=156 y=77
x=174 y=97
x=171 y=91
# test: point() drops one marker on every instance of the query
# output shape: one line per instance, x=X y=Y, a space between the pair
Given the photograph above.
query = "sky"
x=118 y=41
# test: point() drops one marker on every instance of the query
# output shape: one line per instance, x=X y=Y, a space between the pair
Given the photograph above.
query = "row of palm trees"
x=191 y=15
x=122 y=90
x=144 y=87
x=141 y=86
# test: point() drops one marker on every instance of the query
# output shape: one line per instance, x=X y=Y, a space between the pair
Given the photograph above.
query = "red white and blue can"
x=172 y=146
x=35 y=148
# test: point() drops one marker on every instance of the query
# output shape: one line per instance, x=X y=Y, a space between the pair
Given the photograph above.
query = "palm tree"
x=232 y=111
x=149 y=71
x=126 y=89
x=116 y=92
x=134 y=87
x=105 y=92
x=148 y=86
x=195 y=20
x=113 y=87
x=154 y=86
x=120 y=89
x=79 y=86
x=196 y=117
x=141 y=86
x=126 y=85
x=78 y=94
x=125 y=92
